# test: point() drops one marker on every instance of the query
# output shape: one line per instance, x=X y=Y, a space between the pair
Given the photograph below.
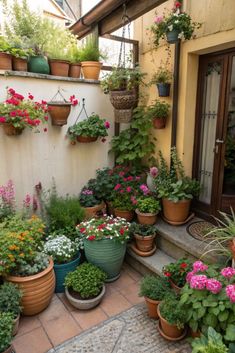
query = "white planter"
x=86 y=303
x=150 y=183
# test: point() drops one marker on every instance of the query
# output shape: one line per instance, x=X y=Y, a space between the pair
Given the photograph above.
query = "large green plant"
x=10 y=296
x=211 y=343
x=155 y=288
x=136 y=142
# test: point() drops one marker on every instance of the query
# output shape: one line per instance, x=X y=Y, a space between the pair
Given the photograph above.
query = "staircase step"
x=148 y=265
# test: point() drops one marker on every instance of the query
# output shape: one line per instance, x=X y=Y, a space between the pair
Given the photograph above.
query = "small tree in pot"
x=159 y=111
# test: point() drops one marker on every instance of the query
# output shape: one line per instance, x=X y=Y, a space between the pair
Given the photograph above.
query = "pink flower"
x=107 y=125
x=26 y=201
x=129 y=178
x=13 y=113
x=121 y=174
x=137 y=178
x=75 y=102
x=2 y=119
x=129 y=189
x=153 y=172
x=117 y=187
x=228 y=272
x=230 y=292
x=11 y=91
x=199 y=266
x=189 y=276
x=198 y=282
x=158 y=19
x=213 y=285
x=144 y=188
x=133 y=200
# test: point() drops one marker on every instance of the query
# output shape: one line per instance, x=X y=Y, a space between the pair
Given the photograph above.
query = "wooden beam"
x=134 y=9
x=120 y=39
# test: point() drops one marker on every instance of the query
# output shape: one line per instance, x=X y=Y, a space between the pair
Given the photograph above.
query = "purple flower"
x=153 y=172
x=198 y=282
x=228 y=272
x=158 y=19
x=107 y=125
x=230 y=292
x=144 y=188
x=213 y=285
x=87 y=192
x=199 y=266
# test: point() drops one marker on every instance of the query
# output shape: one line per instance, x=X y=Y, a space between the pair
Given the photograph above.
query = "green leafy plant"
x=4 y=45
x=159 y=109
x=142 y=229
x=155 y=288
x=74 y=53
x=136 y=142
x=60 y=43
x=87 y=198
x=162 y=75
x=6 y=327
x=177 y=271
x=91 y=52
x=61 y=248
x=211 y=343
x=87 y=280
x=171 y=310
x=10 y=296
x=148 y=205
x=93 y=126
x=21 y=53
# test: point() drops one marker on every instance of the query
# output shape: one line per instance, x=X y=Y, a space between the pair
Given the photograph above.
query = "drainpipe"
x=175 y=94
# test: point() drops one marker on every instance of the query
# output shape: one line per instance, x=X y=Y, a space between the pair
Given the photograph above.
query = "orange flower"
x=13 y=247
x=21 y=254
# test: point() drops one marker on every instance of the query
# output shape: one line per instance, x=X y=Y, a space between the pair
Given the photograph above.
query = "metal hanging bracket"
x=83 y=109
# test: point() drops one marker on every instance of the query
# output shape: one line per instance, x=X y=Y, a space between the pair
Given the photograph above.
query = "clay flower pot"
x=5 y=61
x=11 y=130
x=84 y=304
x=171 y=332
x=159 y=123
x=128 y=215
x=19 y=64
x=75 y=70
x=152 y=307
x=146 y=218
x=59 y=112
x=37 y=289
x=59 y=67
x=87 y=139
x=145 y=243
x=176 y=211
x=91 y=69
x=91 y=212
x=175 y=287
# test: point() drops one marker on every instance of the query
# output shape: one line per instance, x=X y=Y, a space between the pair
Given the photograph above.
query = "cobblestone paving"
x=130 y=332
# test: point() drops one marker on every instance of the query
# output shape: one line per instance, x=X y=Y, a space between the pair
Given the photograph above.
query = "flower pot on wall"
x=87 y=139
x=91 y=69
x=37 y=290
x=172 y=36
x=159 y=123
x=61 y=271
x=59 y=112
x=38 y=64
x=127 y=215
x=74 y=70
x=176 y=211
x=19 y=64
x=59 y=67
x=163 y=89
x=5 y=61
x=11 y=130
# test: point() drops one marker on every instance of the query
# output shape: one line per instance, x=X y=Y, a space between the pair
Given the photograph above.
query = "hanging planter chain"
x=59 y=94
x=122 y=52
x=83 y=109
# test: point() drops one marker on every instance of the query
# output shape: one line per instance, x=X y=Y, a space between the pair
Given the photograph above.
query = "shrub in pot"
x=24 y=264
x=144 y=238
x=20 y=57
x=177 y=272
x=75 y=61
x=159 y=111
x=154 y=289
x=172 y=318
x=147 y=210
x=91 y=205
x=5 y=54
x=90 y=57
x=211 y=343
x=6 y=327
x=66 y=257
x=162 y=79
x=104 y=242
x=10 y=297
x=85 y=286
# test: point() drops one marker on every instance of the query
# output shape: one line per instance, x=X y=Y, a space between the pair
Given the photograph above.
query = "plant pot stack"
x=123 y=102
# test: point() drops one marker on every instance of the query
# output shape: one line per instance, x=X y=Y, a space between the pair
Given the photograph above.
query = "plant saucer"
x=143 y=253
x=173 y=223
x=170 y=338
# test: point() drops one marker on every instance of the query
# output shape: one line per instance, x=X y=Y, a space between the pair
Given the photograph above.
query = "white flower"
x=170 y=28
x=181 y=35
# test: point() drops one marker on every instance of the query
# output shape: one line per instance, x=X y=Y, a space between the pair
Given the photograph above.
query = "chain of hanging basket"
x=125 y=18
x=83 y=109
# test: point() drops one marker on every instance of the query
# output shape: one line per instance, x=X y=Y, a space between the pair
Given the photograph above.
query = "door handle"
x=219 y=141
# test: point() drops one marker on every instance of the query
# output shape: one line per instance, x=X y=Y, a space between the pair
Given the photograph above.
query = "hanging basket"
x=11 y=130
x=123 y=99
x=59 y=110
x=123 y=115
x=87 y=139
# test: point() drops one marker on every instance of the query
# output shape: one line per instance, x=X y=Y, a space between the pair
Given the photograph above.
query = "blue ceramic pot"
x=163 y=89
x=172 y=36
x=62 y=270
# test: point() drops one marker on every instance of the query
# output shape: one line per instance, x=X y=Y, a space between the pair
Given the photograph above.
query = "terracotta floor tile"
x=132 y=273
x=114 y=304
x=123 y=281
x=61 y=328
x=35 y=341
x=27 y=324
x=65 y=301
x=89 y=318
x=55 y=310
x=131 y=293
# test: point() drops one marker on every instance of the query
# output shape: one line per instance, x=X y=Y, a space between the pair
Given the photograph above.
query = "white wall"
x=31 y=157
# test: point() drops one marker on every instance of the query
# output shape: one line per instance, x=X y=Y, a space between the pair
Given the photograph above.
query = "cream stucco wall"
x=31 y=157
x=216 y=33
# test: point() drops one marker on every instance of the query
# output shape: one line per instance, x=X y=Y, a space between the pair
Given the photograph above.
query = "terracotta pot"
x=5 y=61
x=84 y=304
x=194 y=334
x=75 y=70
x=59 y=67
x=94 y=211
x=59 y=112
x=175 y=287
x=159 y=123
x=144 y=243
x=19 y=64
x=152 y=307
x=169 y=330
x=9 y=350
x=37 y=290
x=176 y=211
x=232 y=247
x=146 y=218
x=128 y=215
x=11 y=130
x=87 y=139
x=91 y=69
x=16 y=325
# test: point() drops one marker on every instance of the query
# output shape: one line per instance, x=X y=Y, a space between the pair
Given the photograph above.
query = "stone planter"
x=61 y=271
x=144 y=243
x=152 y=307
x=84 y=304
x=146 y=218
x=91 y=69
x=127 y=215
x=16 y=325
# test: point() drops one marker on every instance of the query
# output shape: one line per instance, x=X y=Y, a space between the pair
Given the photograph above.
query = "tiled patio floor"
x=60 y=321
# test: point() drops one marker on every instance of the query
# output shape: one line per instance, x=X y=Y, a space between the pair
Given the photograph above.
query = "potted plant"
x=154 y=289
x=173 y=26
x=211 y=343
x=23 y=264
x=172 y=318
x=144 y=237
x=90 y=57
x=75 y=61
x=6 y=326
x=19 y=58
x=175 y=189
x=59 y=108
x=177 y=272
x=92 y=206
x=122 y=85
x=17 y=112
x=84 y=287
x=159 y=111
x=162 y=79
x=5 y=54
x=105 y=243
x=147 y=210
x=10 y=297
x=65 y=255
x=89 y=130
